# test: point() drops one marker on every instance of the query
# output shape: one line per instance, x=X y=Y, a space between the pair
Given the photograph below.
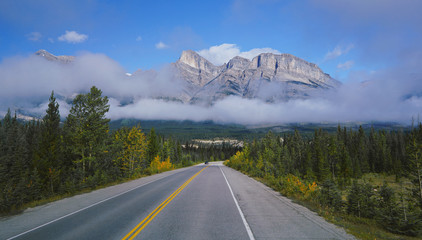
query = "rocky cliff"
x=271 y=77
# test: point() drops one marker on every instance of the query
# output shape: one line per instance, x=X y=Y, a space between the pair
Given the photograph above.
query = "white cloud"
x=389 y=95
x=28 y=81
x=34 y=36
x=72 y=37
x=221 y=54
x=161 y=45
x=338 y=51
x=139 y=38
x=51 y=40
x=346 y=65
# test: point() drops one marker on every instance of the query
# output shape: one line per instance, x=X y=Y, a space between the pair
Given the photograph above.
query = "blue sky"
x=343 y=37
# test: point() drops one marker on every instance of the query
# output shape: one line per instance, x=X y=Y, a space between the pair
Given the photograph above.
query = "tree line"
x=45 y=158
x=324 y=170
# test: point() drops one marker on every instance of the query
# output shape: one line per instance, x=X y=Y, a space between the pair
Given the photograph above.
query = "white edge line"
x=80 y=210
x=248 y=229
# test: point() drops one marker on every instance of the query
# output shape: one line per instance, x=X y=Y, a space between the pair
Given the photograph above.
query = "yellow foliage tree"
x=293 y=185
x=157 y=165
x=166 y=165
x=132 y=157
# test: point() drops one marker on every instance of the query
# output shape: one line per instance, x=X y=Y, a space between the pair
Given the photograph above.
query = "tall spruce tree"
x=87 y=128
x=153 y=147
x=415 y=162
x=47 y=158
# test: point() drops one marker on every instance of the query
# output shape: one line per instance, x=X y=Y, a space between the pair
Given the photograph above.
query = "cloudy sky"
x=353 y=41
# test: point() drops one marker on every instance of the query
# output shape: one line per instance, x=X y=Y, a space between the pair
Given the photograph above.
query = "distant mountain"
x=271 y=77
x=50 y=57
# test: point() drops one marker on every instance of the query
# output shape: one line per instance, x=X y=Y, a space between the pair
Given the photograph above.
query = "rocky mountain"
x=271 y=77
x=50 y=57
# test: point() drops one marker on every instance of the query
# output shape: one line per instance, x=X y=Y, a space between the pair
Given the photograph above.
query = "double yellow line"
x=136 y=230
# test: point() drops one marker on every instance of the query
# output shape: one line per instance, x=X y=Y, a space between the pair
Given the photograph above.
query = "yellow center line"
x=154 y=213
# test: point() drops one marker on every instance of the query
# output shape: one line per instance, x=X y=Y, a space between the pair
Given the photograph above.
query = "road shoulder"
x=272 y=216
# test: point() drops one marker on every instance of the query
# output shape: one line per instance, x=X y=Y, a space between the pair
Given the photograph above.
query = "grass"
x=377 y=180
x=363 y=228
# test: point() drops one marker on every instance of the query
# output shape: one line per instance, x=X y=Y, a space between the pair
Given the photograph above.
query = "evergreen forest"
x=49 y=158
x=325 y=172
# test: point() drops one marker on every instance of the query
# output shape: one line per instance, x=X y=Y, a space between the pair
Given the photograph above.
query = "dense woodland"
x=47 y=158
x=323 y=170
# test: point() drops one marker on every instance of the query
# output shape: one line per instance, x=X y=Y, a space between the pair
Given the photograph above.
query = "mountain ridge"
x=50 y=57
x=268 y=76
x=242 y=77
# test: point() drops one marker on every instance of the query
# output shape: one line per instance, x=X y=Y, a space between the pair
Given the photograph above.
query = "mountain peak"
x=50 y=57
x=194 y=60
x=44 y=53
x=238 y=63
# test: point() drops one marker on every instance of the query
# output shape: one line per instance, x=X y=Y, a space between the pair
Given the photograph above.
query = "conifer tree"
x=87 y=128
x=153 y=147
x=47 y=159
x=415 y=163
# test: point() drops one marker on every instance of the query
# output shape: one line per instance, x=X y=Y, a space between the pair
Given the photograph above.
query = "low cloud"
x=394 y=94
x=221 y=54
x=73 y=37
x=34 y=36
x=161 y=45
x=28 y=81
x=338 y=51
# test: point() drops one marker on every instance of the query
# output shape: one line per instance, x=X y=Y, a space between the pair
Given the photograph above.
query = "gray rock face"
x=53 y=58
x=195 y=70
x=271 y=77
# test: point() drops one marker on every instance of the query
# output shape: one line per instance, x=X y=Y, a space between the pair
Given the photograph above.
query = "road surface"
x=201 y=202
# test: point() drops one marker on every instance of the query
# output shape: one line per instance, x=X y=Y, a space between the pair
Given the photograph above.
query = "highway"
x=200 y=202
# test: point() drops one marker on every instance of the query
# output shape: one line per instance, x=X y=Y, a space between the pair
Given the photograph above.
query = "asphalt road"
x=200 y=202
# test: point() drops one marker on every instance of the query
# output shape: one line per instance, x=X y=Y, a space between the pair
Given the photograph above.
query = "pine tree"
x=330 y=195
x=153 y=147
x=345 y=165
x=87 y=129
x=47 y=158
x=333 y=157
x=359 y=200
x=415 y=163
x=362 y=151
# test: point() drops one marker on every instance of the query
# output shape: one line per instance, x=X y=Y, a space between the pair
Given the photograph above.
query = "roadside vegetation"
x=368 y=183
x=42 y=161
